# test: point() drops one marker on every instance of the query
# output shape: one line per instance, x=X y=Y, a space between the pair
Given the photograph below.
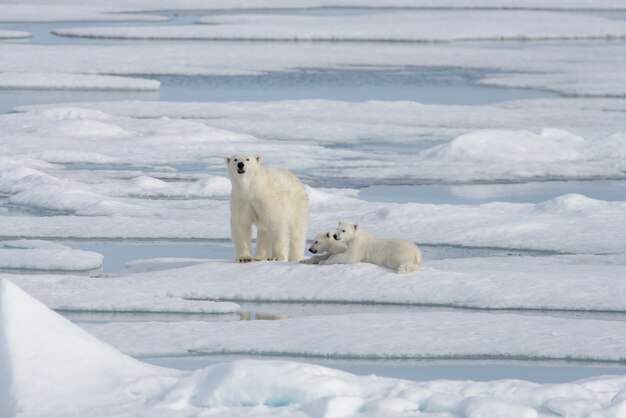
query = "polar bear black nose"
x=312 y=250
x=240 y=165
x=335 y=236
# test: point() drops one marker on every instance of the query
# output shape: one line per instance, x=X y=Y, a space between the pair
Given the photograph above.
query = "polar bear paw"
x=245 y=259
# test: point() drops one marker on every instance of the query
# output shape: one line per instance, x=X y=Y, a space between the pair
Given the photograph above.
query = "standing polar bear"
x=397 y=254
x=275 y=201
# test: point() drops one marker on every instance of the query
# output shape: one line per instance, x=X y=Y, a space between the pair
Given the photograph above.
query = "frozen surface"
x=13 y=34
x=194 y=5
x=424 y=26
x=50 y=366
x=121 y=172
x=64 y=81
x=42 y=377
x=111 y=294
x=595 y=75
x=571 y=283
x=66 y=11
x=590 y=146
x=424 y=335
x=44 y=255
x=393 y=122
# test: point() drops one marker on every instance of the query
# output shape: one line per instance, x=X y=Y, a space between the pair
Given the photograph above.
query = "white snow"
x=121 y=6
x=591 y=224
x=591 y=146
x=50 y=367
x=65 y=81
x=13 y=34
x=44 y=255
x=54 y=11
x=585 y=69
x=124 y=172
x=424 y=335
x=405 y=26
x=394 y=121
x=569 y=283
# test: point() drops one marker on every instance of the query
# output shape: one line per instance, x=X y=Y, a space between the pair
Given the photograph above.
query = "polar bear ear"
x=258 y=159
x=227 y=159
x=356 y=227
x=328 y=235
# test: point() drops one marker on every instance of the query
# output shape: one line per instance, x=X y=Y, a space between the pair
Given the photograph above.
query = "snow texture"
x=424 y=335
x=45 y=255
x=547 y=68
x=566 y=283
x=50 y=367
x=61 y=81
x=67 y=11
x=154 y=170
x=14 y=34
x=423 y=26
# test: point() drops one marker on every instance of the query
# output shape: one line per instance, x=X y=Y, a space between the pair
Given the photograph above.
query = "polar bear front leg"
x=241 y=234
x=343 y=258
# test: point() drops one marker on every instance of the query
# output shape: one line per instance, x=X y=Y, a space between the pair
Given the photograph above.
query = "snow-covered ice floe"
x=50 y=367
x=46 y=256
x=14 y=34
x=407 y=26
x=381 y=336
x=48 y=11
x=116 y=200
x=561 y=283
x=510 y=142
x=595 y=75
x=65 y=81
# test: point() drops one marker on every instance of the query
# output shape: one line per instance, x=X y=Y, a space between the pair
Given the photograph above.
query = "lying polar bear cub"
x=324 y=243
x=397 y=254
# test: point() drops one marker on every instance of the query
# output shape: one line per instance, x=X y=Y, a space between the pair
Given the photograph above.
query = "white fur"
x=275 y=201
x=324 y=243
x=399 y=255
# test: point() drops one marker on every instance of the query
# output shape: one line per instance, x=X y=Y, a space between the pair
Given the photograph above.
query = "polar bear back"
x=389 y=252
x=279 y=191
x=400 y=255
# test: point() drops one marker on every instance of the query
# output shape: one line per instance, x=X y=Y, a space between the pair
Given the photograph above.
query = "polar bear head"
x=322 y=243
x=345 y=231
x=240 y=164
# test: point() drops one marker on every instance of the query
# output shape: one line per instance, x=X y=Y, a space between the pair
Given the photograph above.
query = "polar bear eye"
x=316 y=242
x=247 y=159
x=343 y=230
x=235 y=159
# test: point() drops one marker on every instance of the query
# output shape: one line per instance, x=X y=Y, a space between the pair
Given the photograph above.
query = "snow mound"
x=550 y=145
x=150 y=187
x=71 y=113
x=571 y=203
x=48 y=366
x=269 y=383
x=90 y=129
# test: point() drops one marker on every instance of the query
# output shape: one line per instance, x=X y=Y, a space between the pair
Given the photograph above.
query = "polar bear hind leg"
x=263 y=249
x=412 y=265
x=297 y=237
